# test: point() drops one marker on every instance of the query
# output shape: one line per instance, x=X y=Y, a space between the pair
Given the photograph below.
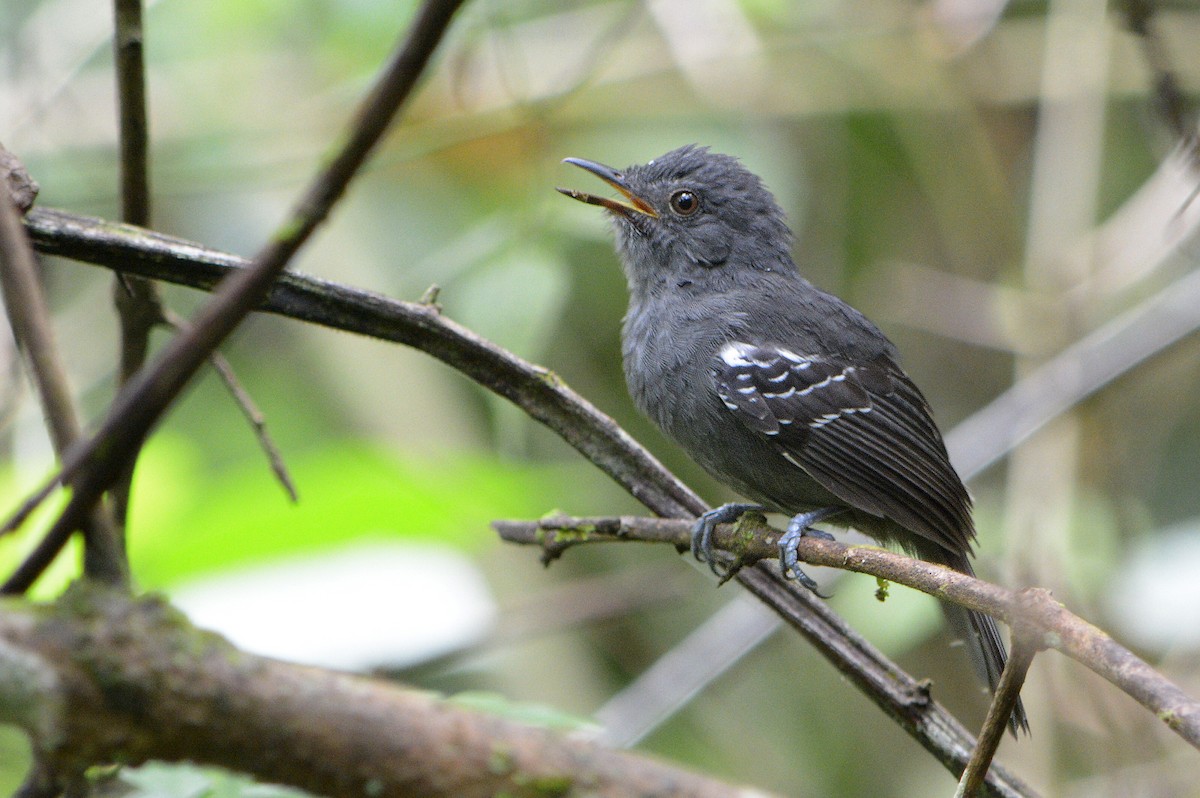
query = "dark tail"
x=983 y=639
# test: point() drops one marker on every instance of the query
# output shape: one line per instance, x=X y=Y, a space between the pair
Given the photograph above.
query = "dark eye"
x=685 y=203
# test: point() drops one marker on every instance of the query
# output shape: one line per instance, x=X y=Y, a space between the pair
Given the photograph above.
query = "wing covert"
x=864 y=432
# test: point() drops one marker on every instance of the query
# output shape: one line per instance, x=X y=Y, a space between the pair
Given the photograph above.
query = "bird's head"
x=691 y=217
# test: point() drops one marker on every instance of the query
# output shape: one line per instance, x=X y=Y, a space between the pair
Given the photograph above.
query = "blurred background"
x=989 y=182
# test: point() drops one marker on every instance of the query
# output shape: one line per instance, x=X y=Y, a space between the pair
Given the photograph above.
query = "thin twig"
x=246 y=404
x=1031 y=611
x=30 y=319
x=250 y=410
x=138 y=303
x=257 y=421
x=1025 y=646
x=97 y=463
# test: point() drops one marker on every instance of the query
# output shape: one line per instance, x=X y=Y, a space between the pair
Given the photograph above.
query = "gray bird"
x=780 y=390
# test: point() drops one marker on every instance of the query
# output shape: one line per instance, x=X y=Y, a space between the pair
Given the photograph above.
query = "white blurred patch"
x=963 y=23
x=1155 y=600
x=353 y=608
x=715 y=47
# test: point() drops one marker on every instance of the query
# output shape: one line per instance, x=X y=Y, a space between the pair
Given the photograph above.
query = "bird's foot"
x=702 y=532
x=801 y=526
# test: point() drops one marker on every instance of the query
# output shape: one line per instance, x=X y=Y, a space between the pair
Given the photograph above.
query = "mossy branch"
x=100 y=677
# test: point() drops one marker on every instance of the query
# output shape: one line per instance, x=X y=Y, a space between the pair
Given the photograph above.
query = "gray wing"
x=863 y=431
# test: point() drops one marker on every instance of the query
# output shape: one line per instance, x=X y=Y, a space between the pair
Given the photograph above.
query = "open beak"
x=635 y=205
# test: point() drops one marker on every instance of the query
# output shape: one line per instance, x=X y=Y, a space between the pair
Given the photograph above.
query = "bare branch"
x=1032 y=612
x=1025 y=646
x=245 y=402
x=257 y=421
x=30 y=317
x=128 y=54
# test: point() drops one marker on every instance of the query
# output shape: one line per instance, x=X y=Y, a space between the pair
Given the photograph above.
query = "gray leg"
x=801 y=526
x=702 y=531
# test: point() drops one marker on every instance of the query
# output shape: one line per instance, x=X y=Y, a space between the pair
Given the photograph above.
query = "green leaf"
x=185 y=521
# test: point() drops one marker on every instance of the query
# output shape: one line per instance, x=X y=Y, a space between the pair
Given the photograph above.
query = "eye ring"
x=685 y=202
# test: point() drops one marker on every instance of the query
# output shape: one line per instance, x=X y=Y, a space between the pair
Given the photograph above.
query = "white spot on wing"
x=736 y=354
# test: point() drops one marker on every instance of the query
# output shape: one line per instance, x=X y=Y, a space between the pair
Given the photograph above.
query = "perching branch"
x=1032 y=613
x=99 y=677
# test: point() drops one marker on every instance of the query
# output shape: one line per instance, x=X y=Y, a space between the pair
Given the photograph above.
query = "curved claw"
x=702 y=532
x=801 y=526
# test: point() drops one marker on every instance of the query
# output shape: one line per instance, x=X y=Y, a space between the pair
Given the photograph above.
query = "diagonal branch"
x=1074 y=374
x=96 y=464
x=245 y=403
x=1025 y=646
x=30 y=319
x=536 y=390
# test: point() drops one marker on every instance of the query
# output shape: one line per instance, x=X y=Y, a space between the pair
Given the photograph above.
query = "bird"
x=780 y=390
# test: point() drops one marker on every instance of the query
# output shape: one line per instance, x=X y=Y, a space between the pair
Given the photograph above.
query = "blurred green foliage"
x=904 y=152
